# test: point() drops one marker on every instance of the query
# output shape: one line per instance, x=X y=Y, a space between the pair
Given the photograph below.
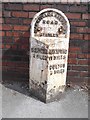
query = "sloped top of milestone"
x=50 y=23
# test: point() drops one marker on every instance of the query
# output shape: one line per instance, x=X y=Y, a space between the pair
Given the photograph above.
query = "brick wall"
x=16 y=19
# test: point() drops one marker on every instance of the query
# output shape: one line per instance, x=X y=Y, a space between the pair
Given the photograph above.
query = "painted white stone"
x=49 y=44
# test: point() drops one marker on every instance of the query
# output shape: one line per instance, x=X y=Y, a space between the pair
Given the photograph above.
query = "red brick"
x=26 y=34
x=7 y=46
x=73 y=73
x=21 y=27
x=89 y=68
x=62 y=7
x=13 y=6
x=72 y=61
x=7 y=40
x=27 y=21
x=8 y=33
x=77 y=80
x=14 y=64
x=85 y=48
x=0 y=14
x=24 y=70
x=78 y=8
x=3 y=46
x=17 y=40
x=31 y=14
x=80 y=67
x=74 y=49
x=7 y=27
x=2 y=33
x=0 y=62
x=4 y=63
x=88 y=56
x=73 y=15
x=76 y=36
x=12 y=21
x=82 y=29
x=84 y=74
x=88 y=30
x=14 y=47
x=20 y=14
x=86 y=37
x=1 y=20
x=6 y=14
x=83 y=62
x=0 y=26
x=24 y=47
x=82 y=56
x=72 y=55
x=0 y=48
x=0 y=40
x=45 y=6
x=16 y=34
x=31 y=7
x=73 y=29
x=78 y=23
x=86 y=16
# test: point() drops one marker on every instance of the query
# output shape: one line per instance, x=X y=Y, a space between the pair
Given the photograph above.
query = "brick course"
x=16 y=31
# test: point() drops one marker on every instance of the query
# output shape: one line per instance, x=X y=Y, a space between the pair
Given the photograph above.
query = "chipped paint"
x=49 y=44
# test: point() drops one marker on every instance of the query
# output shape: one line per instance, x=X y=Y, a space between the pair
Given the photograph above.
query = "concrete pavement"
x=17 y=103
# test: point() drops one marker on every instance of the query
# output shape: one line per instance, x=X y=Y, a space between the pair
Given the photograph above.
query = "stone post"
x=49 y=44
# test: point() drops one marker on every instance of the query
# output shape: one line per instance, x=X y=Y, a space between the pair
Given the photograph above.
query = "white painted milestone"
x=49 y=43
